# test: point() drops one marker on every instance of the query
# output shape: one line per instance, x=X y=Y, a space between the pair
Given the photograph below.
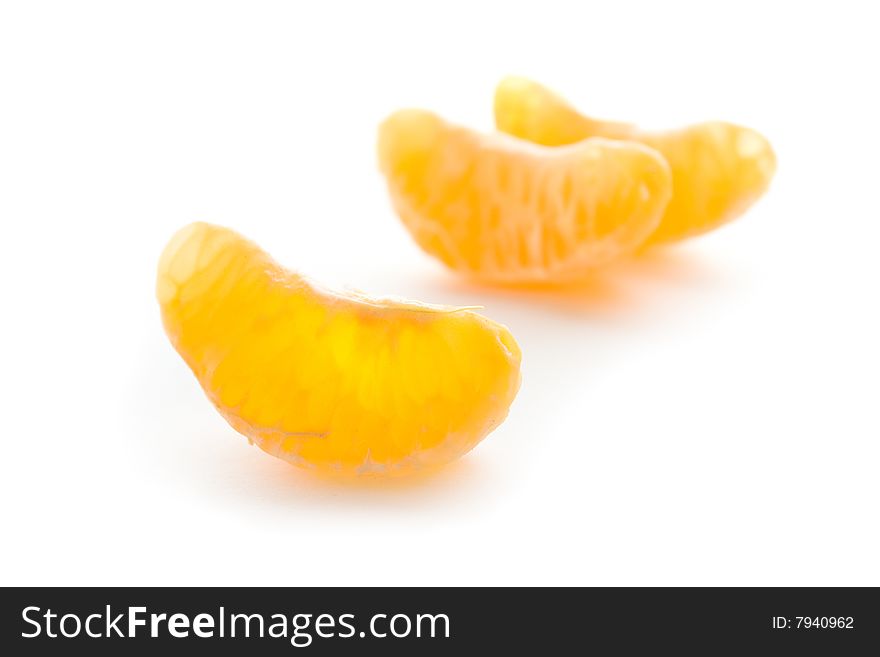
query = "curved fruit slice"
x=331 y=381
x=718 y=169
x=503 y=209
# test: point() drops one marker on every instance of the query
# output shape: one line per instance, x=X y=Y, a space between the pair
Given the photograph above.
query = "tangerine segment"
x=503 y=209
x=331 y=381
x=718 y=169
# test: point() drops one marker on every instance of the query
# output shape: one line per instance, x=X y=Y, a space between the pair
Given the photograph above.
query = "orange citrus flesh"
x=505 y=210
x=334 y=382
x=718 y=169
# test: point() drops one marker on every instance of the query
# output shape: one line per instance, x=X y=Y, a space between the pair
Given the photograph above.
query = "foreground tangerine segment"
x=718 y=169
x=325 y=380
x=503 y=209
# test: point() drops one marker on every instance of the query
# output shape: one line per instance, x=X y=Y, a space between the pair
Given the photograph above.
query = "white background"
x=708 y=415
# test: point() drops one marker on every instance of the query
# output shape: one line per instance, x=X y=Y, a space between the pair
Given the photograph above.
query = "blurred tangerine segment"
x=718 y=169
x=505 y=210
x=331 y=381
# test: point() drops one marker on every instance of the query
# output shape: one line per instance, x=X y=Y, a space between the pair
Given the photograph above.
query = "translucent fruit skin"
x=505 y=210
x=718 y=169
x=337 y=383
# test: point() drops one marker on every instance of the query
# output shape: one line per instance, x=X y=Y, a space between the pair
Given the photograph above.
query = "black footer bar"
x=439 y=621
